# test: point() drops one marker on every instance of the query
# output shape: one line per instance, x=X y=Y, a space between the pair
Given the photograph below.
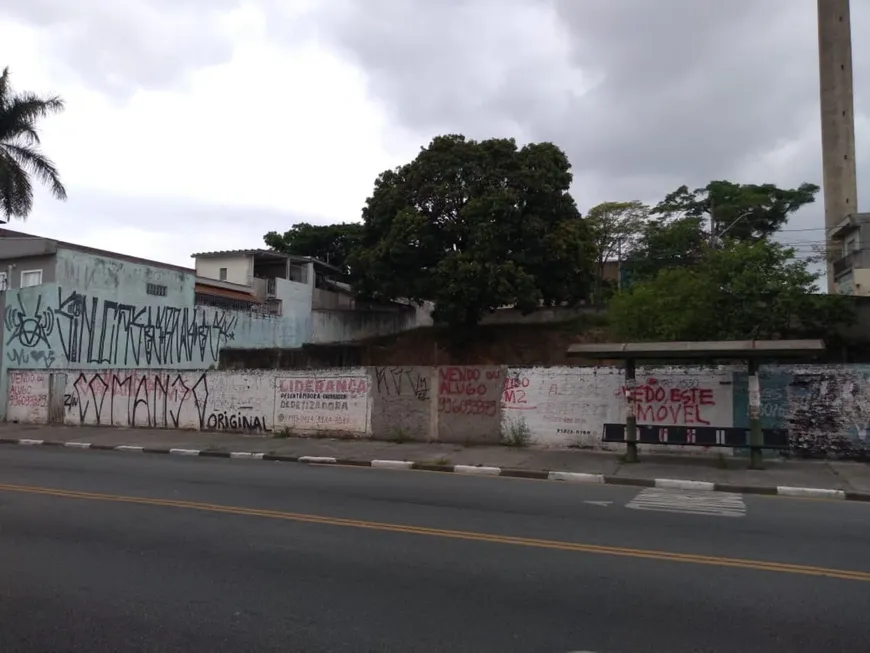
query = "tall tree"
x=740 y=211
x=663 y=243
x=742 y=290
x=473 y=226
x=331 y=243
x=615 y=227
x=20 y=155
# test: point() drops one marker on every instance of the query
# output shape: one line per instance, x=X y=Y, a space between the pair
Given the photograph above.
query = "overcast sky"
x=196 y=125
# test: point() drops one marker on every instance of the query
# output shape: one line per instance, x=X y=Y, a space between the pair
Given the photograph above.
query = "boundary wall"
x=826 y=409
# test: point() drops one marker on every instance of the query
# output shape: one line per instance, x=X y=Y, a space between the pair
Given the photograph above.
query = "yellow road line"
x=648 y=554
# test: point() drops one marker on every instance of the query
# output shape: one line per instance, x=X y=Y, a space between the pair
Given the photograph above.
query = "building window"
x=3 y=285
x=155 y=289
x=31 y=278
x=222 y=274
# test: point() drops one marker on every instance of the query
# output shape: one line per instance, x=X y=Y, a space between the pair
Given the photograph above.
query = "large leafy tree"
x=743 y=290
x=20 y=157
x=739 y=211
x=475 y=225
x=615 y=229
x=664 y=243
x=331 y=243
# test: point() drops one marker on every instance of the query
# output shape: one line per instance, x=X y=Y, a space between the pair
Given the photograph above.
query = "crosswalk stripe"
x=721 y=504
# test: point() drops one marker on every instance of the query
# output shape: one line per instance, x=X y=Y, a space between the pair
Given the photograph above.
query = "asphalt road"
x=114 y=552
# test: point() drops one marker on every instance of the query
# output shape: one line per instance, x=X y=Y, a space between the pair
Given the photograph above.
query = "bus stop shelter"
x=752 y=352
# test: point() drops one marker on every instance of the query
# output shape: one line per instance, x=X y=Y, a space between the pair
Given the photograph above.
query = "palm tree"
x=20 y=158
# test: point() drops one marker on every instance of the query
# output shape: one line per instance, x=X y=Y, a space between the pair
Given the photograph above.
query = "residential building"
x=27 y=260
x=849 y=254
x=305 y=291
x=257 y=271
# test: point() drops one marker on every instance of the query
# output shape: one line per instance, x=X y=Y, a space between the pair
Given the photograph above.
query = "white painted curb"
x=392 y=464
x=480 y=471
x=680 y=484
x=810 y=492
x=184 y=452
x=77 y=445
x=247 y=455
x=323 y=460
x=575 y=477
x=31 y=443
x=126 y=447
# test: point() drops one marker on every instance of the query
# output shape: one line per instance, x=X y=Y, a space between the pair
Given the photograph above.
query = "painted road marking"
x=720 y=504
x=575 y=547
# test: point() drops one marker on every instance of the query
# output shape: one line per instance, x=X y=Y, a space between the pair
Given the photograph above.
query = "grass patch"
x=399 y=435
x=517 y=434
x=285 y=432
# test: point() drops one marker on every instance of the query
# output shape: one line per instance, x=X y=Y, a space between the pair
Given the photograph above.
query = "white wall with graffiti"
x=568 y=406
x=107 y=314
x=244 y=402
x=825 y=409
x=104 y=313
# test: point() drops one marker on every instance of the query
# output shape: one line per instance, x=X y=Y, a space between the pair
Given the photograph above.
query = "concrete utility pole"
x=838 y=120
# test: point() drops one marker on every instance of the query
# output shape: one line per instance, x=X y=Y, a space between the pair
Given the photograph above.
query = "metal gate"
x=56 y=390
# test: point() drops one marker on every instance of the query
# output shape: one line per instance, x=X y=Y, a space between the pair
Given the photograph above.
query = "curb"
x=473 y=470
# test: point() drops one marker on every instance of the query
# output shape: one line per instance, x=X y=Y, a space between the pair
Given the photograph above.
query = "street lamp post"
x=714 y=236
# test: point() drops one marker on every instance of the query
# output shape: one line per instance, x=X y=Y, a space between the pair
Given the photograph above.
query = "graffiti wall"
x=103 y=313
x=51 y=327
x=323 y=400
x=469 y=403
x=825 y=409
x=402 y=403
x=213 y=401
x=568 y=406
x=27 y=401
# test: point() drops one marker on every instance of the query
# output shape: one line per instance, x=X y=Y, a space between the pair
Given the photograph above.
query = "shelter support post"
x=756 y=458
x=630 y=412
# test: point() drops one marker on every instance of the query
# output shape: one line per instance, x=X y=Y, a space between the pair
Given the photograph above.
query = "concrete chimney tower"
x=838 y=141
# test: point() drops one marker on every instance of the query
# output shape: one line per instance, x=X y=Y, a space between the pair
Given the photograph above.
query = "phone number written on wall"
x=322 y=402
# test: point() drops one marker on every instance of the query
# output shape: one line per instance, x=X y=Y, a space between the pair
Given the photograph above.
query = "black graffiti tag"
x=29 y=328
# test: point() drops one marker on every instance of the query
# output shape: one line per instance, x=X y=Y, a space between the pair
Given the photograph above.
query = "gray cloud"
x=179 y=227
x=682 y=91
x=644 y=95
x=118 y=47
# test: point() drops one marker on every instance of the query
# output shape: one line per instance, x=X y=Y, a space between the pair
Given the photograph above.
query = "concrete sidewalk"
x=728 y=473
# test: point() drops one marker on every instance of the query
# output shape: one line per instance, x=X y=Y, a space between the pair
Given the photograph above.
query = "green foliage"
x=473 y=226
x=615 y=228
x=330 y=243
x=741 y=211
x=516 y=433
x=752 y=290
x=676 y=243
x=20 y=156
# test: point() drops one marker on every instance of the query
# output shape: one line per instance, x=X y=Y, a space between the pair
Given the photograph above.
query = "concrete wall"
x=99 y=314
x=402 y=403
x=329 y=326
x=108 y=314
x=240 y=269
x=331 y=300
x=469 y=403
x=568 y=406
x=826 y=409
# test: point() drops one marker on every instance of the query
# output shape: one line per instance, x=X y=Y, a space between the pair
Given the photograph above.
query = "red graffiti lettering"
x=457 y=381
x=335 y=385
x=680 y=406
x=486 y=408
